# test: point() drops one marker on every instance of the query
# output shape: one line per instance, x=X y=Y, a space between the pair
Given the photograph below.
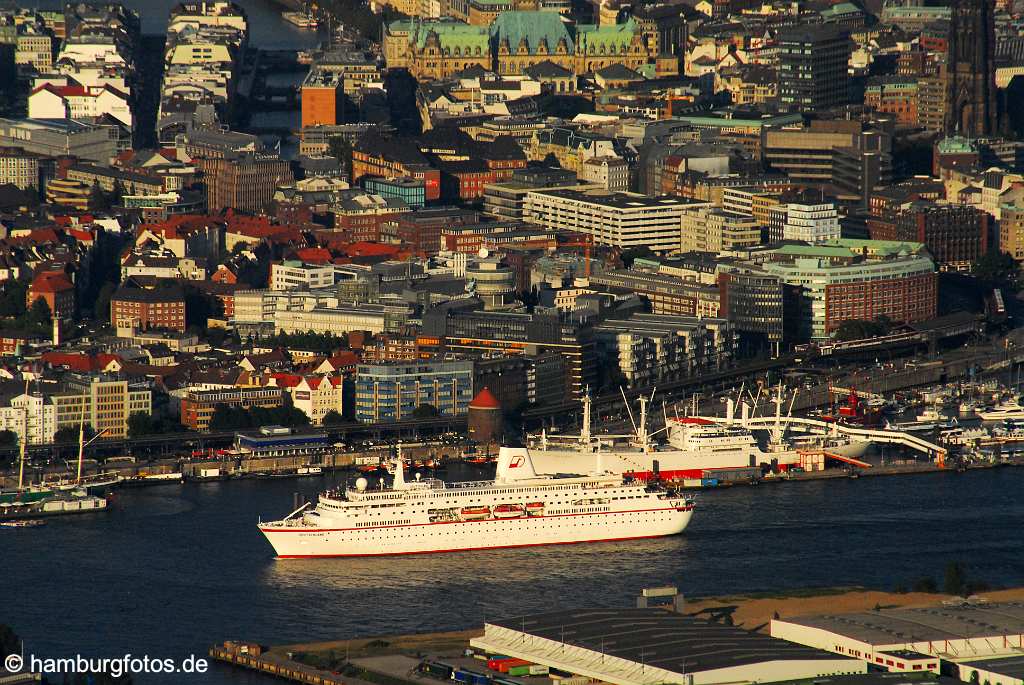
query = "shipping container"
x=480 y=679
x=462 y=676
x=538 y=669
x=437 y=669
x=519 y=670
x=493 y=662
x=503 y=666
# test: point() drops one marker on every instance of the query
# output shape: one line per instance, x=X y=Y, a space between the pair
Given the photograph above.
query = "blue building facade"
x=391 y=392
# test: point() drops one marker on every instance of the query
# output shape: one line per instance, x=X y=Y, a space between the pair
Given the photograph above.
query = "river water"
x=266 y=28
x=173 y=569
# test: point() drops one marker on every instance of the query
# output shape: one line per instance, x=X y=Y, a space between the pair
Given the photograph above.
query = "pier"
x=251 y=656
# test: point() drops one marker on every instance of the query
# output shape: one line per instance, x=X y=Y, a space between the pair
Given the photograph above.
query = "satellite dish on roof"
x=483 y=253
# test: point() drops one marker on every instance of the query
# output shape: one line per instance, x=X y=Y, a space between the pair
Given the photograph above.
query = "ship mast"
x=585 y=430
x=24 y=441
x=81 y=446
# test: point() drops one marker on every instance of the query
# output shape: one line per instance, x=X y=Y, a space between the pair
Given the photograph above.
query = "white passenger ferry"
x=518 y=508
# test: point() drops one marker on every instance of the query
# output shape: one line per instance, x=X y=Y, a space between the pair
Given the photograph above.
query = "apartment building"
x=198 y=406
x=710 y=229
x=132 y=307
x=623 y=220
x=103 y=401
x=293 y=274
x=392 y=392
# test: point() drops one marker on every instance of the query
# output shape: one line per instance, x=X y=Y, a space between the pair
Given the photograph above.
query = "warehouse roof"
x=956 y=622
x=660 y=638
x=1011 y=667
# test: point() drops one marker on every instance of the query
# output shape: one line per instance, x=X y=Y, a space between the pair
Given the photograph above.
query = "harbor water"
x=172 y=569
x=267 y=30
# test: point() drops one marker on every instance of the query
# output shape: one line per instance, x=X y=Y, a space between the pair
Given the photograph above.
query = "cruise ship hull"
x=461 y=536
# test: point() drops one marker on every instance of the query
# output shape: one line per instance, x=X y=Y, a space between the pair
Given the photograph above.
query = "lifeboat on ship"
x=534 y=508
x=509 y=511
x=475 y=513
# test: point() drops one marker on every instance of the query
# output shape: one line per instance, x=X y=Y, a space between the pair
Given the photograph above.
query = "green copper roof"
x=451 y=34
x=954 y=144
x=878 y=248
x=534 y=27
x=820 y=250
x=619 y=35
x=840 y=9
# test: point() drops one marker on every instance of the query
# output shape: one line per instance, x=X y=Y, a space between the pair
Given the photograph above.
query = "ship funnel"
x=514 y=463
x=744 y=412
x=730 y=410
x=399 y=482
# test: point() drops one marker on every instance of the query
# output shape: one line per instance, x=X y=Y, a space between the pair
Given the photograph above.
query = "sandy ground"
x=750 y=612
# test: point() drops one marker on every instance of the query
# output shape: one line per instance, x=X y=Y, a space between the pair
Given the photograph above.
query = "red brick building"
x=143 y=309
x=907 y=299
x=464 y=180
x=421 y=231
x=955 y=235
x=56 y=289
x=376 y=155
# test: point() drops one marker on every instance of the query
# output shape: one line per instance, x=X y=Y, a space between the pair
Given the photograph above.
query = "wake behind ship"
x=518 y=508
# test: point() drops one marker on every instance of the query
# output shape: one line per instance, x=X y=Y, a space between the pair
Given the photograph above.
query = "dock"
x=273 y=664
x=374 y=661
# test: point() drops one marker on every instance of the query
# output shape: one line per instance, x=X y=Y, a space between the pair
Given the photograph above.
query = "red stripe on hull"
x=466 y=549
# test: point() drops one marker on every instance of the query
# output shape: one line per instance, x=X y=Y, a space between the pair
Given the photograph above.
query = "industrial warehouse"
x=959 y=637
x=648 y=646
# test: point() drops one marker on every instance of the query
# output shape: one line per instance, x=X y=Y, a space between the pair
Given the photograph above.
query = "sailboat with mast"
x=35 y=501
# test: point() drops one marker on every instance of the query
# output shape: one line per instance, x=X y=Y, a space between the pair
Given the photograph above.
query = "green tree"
x=9 y=642
x=333 y=418
x=339 y=148
x=70 y=433
x=425 y=411
x=141 y=423
x=925 y=584
x=858 y=329
x=956 y=579
x=8 y=438
x=997 y=269
x=12 y=298
x=39 y=313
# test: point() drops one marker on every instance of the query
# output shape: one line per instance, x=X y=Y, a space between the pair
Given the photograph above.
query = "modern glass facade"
x=392 y=392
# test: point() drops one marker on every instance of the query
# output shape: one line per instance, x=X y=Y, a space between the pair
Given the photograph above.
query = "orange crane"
x=586 y=241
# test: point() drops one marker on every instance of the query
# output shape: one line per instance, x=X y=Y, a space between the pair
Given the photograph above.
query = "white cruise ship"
x=518 y=508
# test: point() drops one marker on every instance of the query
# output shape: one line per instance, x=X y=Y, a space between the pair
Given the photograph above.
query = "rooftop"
x=653 y=643
x=928 y=624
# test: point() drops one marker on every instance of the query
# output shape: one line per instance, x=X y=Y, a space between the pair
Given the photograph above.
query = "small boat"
x=309 y=471
x=303 y=20
x=1003 y=411
x=475 y=513
x=368 y=468
x=534 y=508
x=509 y=511
x=23 y=523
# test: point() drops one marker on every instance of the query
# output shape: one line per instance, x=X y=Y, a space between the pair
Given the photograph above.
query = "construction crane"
x=586 y=241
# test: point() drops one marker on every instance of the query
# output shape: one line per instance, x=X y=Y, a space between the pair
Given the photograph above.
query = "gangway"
x=888 y=437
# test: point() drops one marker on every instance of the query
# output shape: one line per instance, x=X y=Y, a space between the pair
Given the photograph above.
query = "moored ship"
x=694 y=448
x=519 y=508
